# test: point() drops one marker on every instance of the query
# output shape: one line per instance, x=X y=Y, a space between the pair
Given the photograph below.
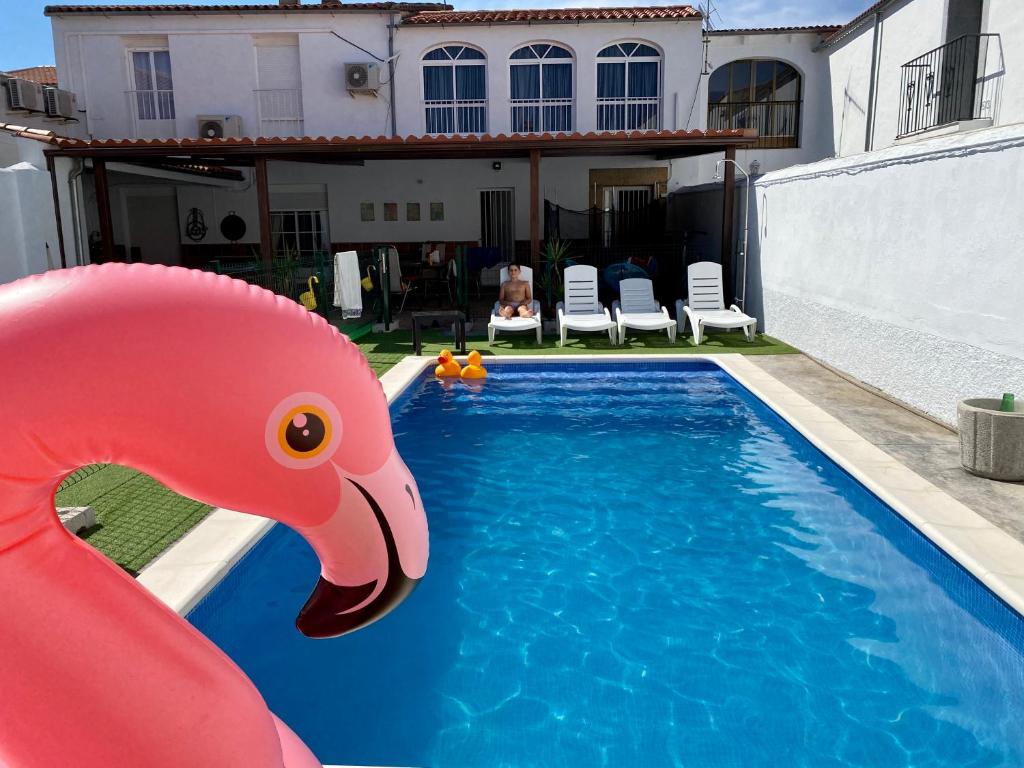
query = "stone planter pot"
x=991 y=441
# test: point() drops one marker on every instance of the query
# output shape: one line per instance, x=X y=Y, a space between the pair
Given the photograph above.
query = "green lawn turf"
x=137 y=518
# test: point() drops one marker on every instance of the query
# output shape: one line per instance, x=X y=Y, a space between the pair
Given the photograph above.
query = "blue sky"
x=25 y=39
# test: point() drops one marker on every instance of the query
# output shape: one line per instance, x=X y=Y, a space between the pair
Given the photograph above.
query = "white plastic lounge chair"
x=705 y=306
x=581 y=311
x=637 y=308
x=515 y=323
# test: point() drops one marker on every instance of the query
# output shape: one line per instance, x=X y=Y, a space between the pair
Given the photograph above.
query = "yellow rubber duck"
x=474 y=370
x=447 y=365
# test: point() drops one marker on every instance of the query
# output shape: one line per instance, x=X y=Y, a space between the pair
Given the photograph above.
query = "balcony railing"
x=629 y=114
x=541 y=115
x=152 y=113
x=946 y=85
x=460 y=116
x=280 y=111
x=777 y=122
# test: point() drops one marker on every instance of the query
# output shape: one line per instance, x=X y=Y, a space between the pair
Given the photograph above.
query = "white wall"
x=27 y=221
x=213 y=66
x=902 y=267
x=679 y=41
x=1006 y=18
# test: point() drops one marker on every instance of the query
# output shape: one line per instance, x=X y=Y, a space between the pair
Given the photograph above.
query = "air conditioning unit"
x=362 y=78
x=59 y=103
x=219 y=126
x=24 y=94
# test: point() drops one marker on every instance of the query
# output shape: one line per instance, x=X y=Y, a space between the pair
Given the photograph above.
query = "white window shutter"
x=278 y=67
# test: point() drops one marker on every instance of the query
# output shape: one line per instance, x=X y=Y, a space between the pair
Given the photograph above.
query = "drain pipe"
x=391 y=73
x=869 y=122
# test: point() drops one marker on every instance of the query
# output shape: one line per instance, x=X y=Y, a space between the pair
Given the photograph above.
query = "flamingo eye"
x=303 y=431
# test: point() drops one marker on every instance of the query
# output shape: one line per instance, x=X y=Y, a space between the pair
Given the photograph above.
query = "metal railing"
x=152 y=113
x=777 y=122
x=458 y=116
x=280 y=111
x=541 y=115
x=629 y=114
x=945 y=85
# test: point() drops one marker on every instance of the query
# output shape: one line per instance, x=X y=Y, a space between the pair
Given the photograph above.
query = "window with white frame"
x=153 y=94
x=540 y=80
x=279 y=88
x=628 y=88
x=298 y=234
x=455 y=90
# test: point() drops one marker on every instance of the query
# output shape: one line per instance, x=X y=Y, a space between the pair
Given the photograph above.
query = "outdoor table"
x=451 y=315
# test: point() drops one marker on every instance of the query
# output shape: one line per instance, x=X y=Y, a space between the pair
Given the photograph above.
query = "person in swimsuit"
x=515 y=297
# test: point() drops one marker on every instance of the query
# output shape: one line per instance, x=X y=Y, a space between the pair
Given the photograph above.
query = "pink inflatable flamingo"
x=227 y=394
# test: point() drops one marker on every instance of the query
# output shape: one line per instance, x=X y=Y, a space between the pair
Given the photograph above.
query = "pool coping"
x=187 y=571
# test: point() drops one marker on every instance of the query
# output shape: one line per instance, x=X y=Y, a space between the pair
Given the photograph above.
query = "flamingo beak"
x=335 y=609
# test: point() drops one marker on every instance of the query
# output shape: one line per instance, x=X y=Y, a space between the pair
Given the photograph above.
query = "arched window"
x=541 y=89
x=757 y=93
x=455 y=90
x=628 y=88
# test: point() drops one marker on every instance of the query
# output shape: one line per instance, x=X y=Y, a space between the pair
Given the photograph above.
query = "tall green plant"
x=555 y=254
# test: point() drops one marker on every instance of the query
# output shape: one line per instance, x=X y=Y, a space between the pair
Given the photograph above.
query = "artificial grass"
x=384 y=350
x=137 y=518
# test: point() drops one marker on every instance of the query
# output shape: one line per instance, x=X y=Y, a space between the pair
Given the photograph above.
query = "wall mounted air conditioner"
x=59 y=103
x=362 y=78
x=219 y=126
x=24 y=94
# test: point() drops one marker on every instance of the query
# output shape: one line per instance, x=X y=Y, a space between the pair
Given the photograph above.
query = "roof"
x=332 y=6
x=24 y=132
x=849 y=28
x=821 y=29
x=231 y=151
x=46 y=75
x=555 y=15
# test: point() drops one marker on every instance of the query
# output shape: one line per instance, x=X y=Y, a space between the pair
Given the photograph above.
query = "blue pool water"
x=637 y=565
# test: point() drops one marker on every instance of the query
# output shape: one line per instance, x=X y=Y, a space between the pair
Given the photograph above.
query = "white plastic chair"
x=705 y=306
x=516 y=323
x=581 y=311
x=637 y=308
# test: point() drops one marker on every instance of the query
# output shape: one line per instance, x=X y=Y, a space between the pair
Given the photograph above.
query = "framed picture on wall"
x=412 y=211
x=390 y=211
x=437 y=211
x=366 y=212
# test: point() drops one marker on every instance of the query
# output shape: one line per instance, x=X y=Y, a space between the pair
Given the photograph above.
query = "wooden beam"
x=99 y=168
x=263 y=203
x=535 y=208
x=56 y=211
x=728 y=216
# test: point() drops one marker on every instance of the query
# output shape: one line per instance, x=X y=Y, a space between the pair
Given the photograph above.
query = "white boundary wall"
x=902 y=267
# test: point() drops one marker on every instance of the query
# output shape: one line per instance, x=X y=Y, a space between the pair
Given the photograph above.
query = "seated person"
x=515 y=297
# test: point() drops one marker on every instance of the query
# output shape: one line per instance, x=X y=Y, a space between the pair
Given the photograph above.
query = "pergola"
x=212 y=154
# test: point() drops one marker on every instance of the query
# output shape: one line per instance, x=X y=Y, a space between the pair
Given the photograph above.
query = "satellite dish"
x=232 y=227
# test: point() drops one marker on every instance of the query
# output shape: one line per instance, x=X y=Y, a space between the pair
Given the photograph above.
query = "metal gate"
x=498 y=221
x=625 y=212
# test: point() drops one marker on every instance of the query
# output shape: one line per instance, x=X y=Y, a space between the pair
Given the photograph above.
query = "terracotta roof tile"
x=326 y=5
x=38 y=134
x=369 y=141
x=42 y=75
x=653 y=13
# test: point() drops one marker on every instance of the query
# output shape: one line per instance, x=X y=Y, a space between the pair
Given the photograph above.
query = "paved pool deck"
x=930 y=450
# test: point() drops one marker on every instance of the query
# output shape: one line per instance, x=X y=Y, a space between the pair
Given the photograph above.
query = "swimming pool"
x=636 y=564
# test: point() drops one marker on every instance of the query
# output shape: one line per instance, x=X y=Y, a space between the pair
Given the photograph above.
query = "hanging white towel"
x=347 y=291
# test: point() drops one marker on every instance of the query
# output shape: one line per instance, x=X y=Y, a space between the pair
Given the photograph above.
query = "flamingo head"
x=229 y=395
